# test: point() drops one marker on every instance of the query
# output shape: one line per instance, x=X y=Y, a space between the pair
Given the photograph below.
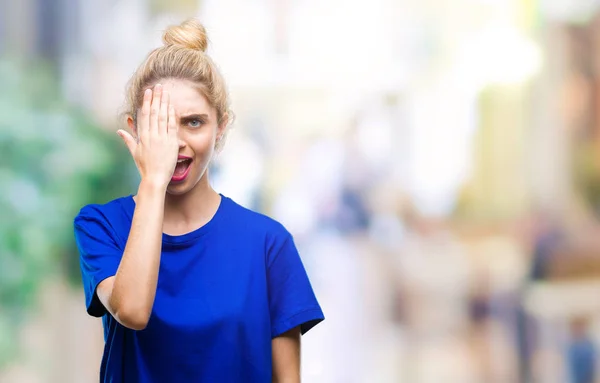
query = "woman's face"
x=198 y=133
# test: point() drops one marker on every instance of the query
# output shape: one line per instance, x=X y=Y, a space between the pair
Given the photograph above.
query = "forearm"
x=286 y=357
x=134 y=288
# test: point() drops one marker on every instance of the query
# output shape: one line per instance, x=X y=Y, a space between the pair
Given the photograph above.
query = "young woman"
x=191 y=286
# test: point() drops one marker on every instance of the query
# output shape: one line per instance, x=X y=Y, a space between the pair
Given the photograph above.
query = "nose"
x=181 y=141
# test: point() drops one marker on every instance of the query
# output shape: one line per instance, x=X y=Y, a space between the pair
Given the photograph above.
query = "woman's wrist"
x=152 y=187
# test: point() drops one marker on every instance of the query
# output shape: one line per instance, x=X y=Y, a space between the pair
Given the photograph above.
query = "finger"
x=128 y=140
x=155 y=108
x=173 y=125
x=164 y=113
x=143 y=120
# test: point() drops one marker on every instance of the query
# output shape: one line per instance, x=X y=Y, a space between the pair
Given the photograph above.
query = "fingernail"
x=158 y=86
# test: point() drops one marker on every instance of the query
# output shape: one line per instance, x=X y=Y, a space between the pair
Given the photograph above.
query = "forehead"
x=186 y=98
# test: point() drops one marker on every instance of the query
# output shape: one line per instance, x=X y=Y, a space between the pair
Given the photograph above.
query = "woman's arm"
x=129 y=295
x=286 y=357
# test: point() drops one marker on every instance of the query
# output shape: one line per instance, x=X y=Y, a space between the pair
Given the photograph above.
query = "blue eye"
x=194 y=123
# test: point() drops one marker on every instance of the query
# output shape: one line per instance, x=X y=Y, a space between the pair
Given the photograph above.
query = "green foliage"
x=53 y=160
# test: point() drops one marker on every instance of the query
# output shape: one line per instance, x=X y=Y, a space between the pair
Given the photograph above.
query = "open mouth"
x=181 y=169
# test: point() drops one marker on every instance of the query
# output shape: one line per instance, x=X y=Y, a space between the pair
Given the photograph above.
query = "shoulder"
x=102 y=209
x=109 y=214
x=257 y=223
x=274 y=238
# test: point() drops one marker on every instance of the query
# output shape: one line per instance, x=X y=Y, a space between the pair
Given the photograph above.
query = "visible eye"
x=195 y=123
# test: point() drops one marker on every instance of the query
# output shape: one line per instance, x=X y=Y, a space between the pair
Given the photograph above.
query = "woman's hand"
x=155 y=151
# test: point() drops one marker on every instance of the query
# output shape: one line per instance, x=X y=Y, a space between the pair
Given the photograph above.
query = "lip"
x=185 y=174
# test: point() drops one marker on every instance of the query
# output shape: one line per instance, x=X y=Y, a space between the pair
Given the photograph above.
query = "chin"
x=185 y=186
x=177 y=190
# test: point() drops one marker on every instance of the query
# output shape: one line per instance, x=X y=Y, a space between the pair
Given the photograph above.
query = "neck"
x=192 y=209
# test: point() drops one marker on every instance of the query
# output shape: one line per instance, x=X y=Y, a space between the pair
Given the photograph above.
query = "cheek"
x=203 y=147
x=199 y=142
x=205 y=144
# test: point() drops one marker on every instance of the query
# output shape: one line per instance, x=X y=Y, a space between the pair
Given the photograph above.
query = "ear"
x=222 y=126
x=132 y=126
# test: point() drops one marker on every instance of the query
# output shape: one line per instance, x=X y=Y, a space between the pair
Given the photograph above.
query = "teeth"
x=180 y=161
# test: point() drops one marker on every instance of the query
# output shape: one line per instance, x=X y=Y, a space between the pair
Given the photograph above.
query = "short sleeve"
x=292 y=301
x=99 y=255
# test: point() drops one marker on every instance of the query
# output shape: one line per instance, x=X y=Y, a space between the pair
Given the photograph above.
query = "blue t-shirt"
x=224 y=291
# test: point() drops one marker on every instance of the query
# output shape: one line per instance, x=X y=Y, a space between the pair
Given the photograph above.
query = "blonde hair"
x=183 y=57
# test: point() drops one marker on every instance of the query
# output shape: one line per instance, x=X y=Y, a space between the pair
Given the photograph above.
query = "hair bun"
x=189 y=34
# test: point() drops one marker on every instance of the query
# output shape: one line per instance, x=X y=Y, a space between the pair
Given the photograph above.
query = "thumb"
x=128 y=139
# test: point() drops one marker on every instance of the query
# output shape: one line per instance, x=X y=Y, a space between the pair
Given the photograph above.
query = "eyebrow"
x=194 y=116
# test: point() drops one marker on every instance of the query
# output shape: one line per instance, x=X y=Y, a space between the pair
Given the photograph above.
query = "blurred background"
x=438 y=163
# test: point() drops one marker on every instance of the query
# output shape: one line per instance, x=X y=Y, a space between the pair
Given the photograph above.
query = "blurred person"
x=481 y=325
x=191 y=286
x=546 y=235
x=311 y=203
x=581 y=353
x=431 y=289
